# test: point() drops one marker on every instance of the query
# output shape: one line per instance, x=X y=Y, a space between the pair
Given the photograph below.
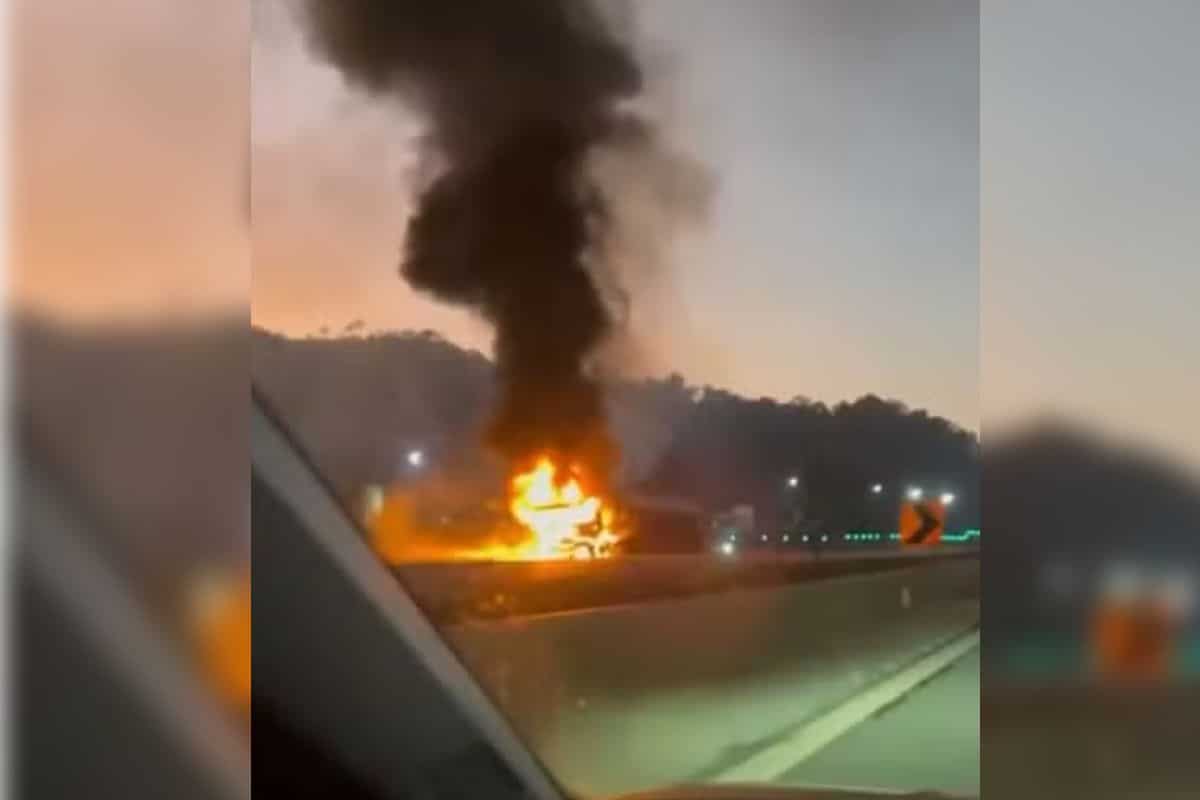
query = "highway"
x=929 y=739
x=686 y=671
x=711 y=688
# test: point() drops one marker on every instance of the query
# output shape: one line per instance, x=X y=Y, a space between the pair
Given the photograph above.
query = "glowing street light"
x=947 y=498
x=416 y=458
x=915 y=492
x=793 y=482
x=727 y=548
x=877 y=488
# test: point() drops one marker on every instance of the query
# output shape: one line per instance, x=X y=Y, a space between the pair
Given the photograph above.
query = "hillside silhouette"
x=359 y=402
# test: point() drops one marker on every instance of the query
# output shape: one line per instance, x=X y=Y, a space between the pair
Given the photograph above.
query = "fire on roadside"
x=547 y=515
x=563 y=520
x=219 y=627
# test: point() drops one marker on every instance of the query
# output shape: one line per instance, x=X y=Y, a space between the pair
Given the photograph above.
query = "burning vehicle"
x=564 y=521
x=547 y=514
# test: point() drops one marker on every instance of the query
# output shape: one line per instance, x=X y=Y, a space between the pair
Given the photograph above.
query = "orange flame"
x=220 y=629
x=555 y=519
x=563 y=520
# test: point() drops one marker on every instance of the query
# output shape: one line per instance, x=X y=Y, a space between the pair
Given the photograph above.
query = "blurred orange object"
x=221 y=629
x=1133 y=641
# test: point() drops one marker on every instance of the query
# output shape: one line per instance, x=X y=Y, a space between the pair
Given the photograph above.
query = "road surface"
x=927 y=740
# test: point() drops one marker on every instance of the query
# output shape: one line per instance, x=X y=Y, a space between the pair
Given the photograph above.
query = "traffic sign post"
x=922 y=523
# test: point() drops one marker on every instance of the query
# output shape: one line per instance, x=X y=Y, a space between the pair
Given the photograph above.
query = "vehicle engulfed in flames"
x=563 y=521
x=545 y=515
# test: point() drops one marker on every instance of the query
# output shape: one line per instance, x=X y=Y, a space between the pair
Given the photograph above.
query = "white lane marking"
x=777 y=759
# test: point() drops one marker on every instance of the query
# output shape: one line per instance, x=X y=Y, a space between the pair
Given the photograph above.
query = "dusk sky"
x=1091 y=195
x=840 y=254
x=843 y=251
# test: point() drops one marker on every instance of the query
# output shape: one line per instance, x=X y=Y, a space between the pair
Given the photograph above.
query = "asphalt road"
x=927 y=740
x=698 y=689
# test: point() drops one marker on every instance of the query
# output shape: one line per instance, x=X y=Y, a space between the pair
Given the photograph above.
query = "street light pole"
x=796 y=499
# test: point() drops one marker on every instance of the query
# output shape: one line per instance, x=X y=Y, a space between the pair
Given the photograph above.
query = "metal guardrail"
x=457 y=591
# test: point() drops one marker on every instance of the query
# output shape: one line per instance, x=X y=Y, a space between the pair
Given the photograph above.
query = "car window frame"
x=279 y=463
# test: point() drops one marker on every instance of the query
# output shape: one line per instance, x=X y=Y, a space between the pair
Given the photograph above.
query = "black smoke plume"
x=518 y=94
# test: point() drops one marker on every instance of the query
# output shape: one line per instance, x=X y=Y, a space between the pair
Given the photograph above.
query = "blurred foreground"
x=132 y=628
x=1091 y=634
x=129 y=276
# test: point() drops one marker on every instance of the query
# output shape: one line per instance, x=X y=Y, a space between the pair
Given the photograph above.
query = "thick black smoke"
x=519 y=93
